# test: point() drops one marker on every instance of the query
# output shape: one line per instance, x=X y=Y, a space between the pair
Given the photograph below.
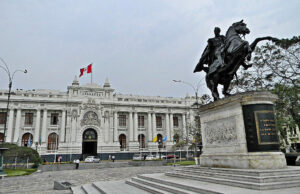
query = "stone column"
x=135 y=127
x=10 y=126
x=154 y=133
x=115 y=126
x=37 y=126
x=111 y=127
x=167 y=126
x=63 y=126
x=149 y=128
x=74 y=125
x=130 y=122
x=184 y=125
x=171 y=127
x=106 y=126
x=17 y=128
x=44 y=126
x=68 y=128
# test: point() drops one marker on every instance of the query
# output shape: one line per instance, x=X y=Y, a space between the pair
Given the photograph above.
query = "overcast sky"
x=140 y=45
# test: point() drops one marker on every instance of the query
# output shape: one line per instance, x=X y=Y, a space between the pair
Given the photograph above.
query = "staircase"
x=244 y=178
x=194 y=179
x=107 y=187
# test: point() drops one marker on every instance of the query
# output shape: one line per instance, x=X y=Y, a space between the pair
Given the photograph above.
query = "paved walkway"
x=43 y=182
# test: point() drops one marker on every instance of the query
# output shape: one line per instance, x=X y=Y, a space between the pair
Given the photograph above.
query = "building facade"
x=91 y=119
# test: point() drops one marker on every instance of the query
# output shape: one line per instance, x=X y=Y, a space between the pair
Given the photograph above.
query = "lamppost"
x=159 y=147
x=196 y=89
x=10 y=80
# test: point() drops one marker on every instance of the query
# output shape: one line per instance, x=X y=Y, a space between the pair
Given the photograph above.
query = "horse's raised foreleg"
x=257 y=40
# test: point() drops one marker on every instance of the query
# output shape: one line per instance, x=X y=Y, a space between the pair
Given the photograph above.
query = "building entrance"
x=89 y=142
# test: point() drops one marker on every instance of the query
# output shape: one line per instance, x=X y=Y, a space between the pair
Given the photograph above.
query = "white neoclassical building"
x=91 y=119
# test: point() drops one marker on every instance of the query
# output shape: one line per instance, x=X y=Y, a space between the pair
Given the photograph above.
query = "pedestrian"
x=113 y=158
x=109 y=157
x=77 y=163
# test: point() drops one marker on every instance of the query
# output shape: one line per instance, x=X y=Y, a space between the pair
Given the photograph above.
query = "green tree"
x=276 y=68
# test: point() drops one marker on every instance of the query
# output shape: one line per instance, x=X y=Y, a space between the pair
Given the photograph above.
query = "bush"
x=22 y=154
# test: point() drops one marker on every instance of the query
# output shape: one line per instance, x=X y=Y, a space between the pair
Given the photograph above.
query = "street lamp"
x=196 y=89
x=10 y=79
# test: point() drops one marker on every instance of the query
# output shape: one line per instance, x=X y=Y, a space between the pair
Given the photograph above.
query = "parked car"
x=170 y=156
x=92 y=159
x=150 y=157
x=161 y=156
x=138 y=157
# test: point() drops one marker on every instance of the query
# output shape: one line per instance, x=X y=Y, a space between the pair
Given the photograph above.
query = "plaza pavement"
x=42 y=182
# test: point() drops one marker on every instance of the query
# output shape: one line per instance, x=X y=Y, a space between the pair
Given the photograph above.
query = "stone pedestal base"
x=254 y=160
x=169 y=146
x=240 y=132
x=133 y=146
x=152 y=147
x=109 y=147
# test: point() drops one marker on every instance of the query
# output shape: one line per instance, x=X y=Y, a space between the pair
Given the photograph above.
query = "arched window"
x=159 y=140
x=90 y=135
x=27 y=139
x=1 y=137
x=52 y=141
x=176 y=138
x=122 y=140
x=141 y=139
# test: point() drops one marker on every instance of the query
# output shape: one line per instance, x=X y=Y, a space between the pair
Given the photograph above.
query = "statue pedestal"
x=240 y=132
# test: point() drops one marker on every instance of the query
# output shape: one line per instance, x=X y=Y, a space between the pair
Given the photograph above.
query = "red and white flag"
x=88 y=69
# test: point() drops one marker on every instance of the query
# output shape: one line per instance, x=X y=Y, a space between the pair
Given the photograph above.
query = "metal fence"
x=17 y=162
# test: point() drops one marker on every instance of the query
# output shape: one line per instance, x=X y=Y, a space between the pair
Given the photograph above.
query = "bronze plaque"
x=260 y=128
x=265 y=127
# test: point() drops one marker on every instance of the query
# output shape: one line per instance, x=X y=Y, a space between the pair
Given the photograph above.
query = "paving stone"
x=43 y=182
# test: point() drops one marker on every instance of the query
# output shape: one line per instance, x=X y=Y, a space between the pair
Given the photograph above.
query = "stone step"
x=176 y=185
x=238 y=177
x=77 y=190
x=145 y=187
x=116 y=187
x=90 y=189
x=160 y=186
x=243 y=184
x=249 y=172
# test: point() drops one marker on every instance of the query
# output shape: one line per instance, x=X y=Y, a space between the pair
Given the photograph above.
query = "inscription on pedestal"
x=260 y=126
x=265 y=127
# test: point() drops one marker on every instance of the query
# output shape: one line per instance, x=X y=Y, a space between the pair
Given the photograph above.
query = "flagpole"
x=92 y=75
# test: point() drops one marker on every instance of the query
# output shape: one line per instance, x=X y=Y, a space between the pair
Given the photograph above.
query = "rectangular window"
x=28 y=118
x=175 y=122
x=54 y=119
x=141 y=122
x=158 y=122
x=122 y=120
x=2 y=118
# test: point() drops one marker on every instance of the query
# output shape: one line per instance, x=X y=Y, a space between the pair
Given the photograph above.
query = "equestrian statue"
x=224 y=55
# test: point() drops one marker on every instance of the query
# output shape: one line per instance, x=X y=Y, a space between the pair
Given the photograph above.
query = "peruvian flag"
x=88 y=69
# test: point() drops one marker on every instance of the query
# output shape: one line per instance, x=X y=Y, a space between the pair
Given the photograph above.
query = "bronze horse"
x=234 y=52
